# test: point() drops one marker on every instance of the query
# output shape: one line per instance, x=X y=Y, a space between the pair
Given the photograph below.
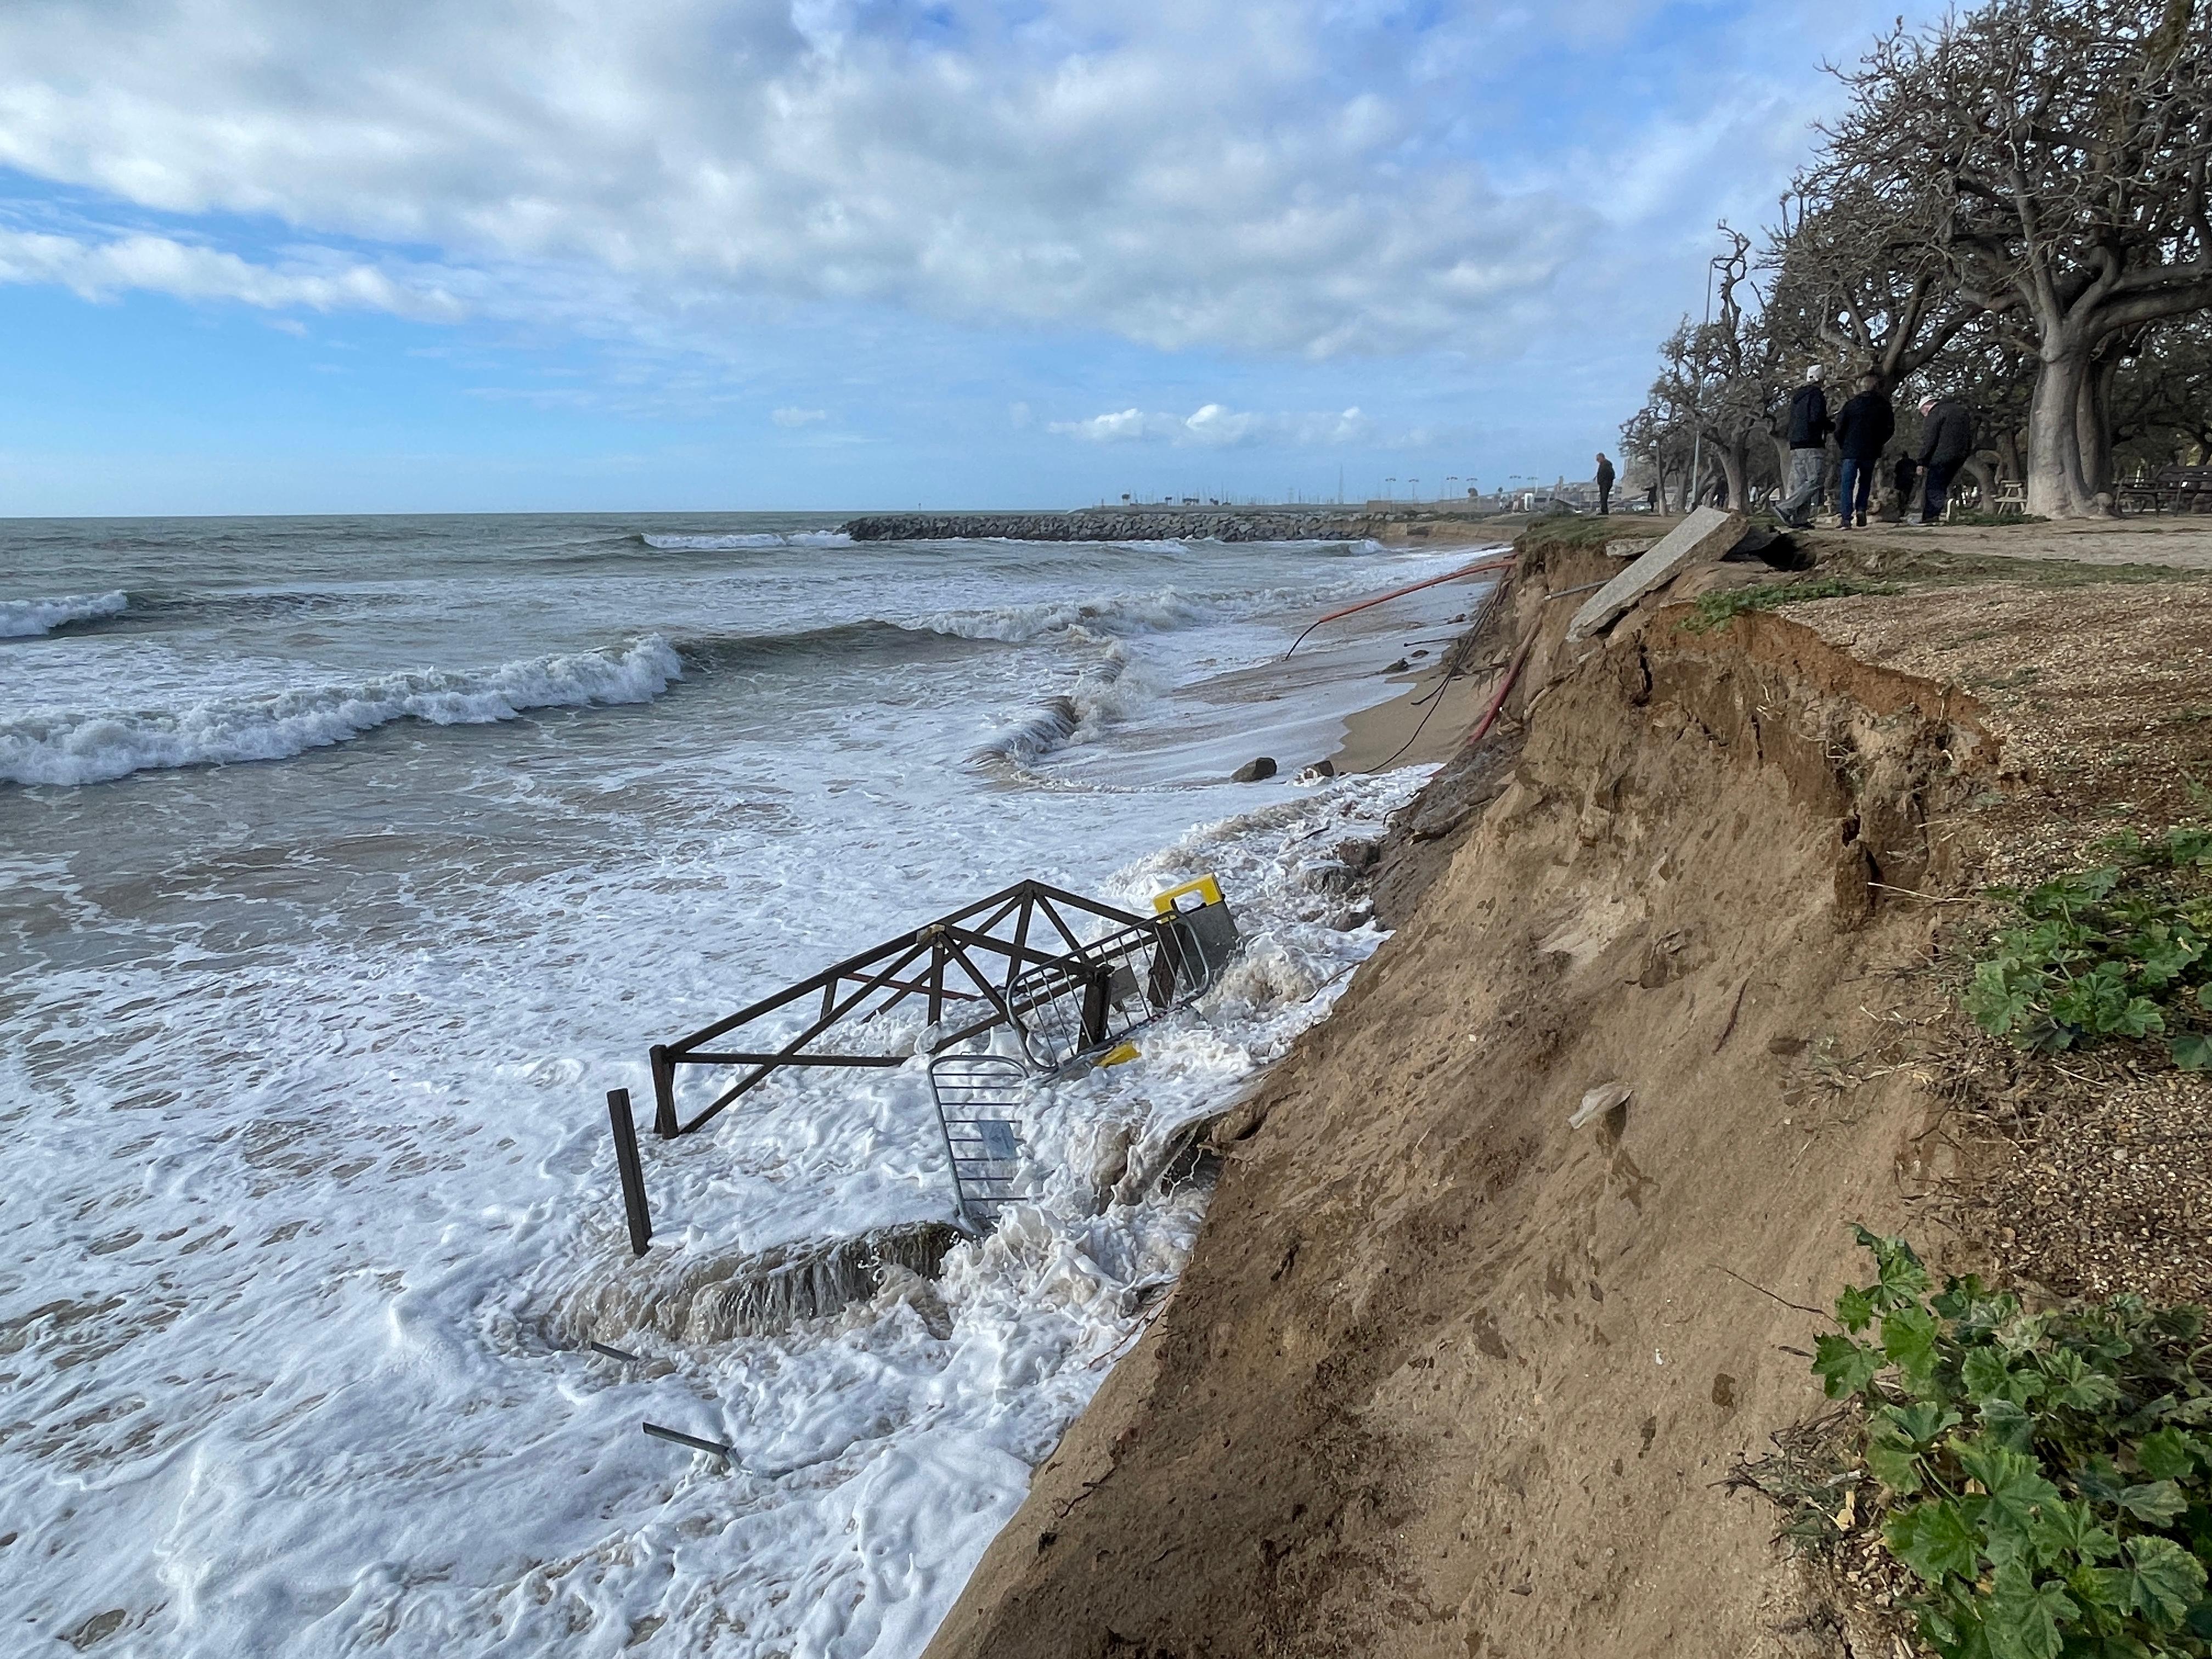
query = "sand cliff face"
x=1445 y=1376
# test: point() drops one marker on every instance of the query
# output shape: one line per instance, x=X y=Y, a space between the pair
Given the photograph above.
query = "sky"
x=258 y=256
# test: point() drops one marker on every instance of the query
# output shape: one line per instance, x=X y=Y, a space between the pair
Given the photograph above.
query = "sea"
x=347 y=863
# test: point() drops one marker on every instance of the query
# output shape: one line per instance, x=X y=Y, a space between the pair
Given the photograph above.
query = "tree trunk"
x=2093 y=418
x=2008 y=448
x=2056 y=486
x=1733 y=465
x=1986 y=479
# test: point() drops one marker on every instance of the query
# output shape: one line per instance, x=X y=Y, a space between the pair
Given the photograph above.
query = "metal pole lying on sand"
x=676 y=1436
x=632 y=1172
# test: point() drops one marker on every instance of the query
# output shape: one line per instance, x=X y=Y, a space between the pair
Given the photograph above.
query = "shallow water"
x=344 y=865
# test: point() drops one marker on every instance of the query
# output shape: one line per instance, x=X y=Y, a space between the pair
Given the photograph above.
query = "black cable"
x=1435 y=699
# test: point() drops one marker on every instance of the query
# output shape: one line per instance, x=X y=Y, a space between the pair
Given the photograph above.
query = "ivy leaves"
x=2121 y=951
x=2046 y=1474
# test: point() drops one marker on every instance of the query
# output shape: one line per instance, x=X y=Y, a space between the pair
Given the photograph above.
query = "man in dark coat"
x=1946 y=439
x=1604 y=483
x=1809 y=451
x=1863 y=430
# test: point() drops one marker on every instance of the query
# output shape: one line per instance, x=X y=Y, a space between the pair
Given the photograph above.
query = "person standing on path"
x=1809 y=451
x=1604 y=483
x=1947 y=438
x=1864 y=430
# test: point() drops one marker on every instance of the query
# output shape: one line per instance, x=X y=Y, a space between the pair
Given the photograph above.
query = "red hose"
x=1477 y=568
x=1497 y=701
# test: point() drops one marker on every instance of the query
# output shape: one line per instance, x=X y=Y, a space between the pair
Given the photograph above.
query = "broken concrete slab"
x=1706 y=534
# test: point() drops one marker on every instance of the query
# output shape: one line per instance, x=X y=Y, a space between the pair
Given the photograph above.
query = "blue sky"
x=489 y=255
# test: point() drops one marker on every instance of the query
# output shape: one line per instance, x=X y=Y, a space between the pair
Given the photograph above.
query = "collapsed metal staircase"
x=977 y=1098
x=1017 y=960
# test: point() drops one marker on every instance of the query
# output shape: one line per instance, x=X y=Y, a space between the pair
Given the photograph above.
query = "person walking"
x=1604 y=483
x=1809 y=451
x=1946 y=439
x=1908 y=480
x=1863 y=428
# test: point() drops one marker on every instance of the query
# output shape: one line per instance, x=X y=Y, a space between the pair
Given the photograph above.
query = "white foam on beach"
x=71 y=747
x=26 y=619
x=336 y=1405
x=303 y=1066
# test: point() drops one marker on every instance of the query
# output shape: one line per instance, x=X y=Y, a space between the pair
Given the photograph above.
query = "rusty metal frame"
x=1024 y=979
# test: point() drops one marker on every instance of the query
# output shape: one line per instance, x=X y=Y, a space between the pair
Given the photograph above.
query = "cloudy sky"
x=393 y=255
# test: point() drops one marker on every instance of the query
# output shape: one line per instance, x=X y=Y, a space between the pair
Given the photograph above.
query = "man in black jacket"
x=1809 y=451
x=1604 y=482
x=1863 y=430
x=1947 y=438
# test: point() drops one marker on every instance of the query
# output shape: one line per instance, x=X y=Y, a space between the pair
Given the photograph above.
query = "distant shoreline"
x=1132 y=524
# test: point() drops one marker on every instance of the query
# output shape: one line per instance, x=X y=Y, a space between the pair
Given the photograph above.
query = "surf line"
x=1503 y=562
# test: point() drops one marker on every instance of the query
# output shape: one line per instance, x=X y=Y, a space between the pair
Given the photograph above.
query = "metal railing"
x=1014 y=959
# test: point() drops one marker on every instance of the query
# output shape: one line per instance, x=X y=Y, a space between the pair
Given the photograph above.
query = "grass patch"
x=2123 y=950
x=1592 y=530
x=1717 y=609
x=2042 y=1475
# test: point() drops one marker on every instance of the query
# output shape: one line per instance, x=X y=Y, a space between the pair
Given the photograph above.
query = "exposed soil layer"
x=1446 y=1376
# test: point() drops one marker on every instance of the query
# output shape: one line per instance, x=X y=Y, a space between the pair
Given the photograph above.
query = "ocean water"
x=346 y=863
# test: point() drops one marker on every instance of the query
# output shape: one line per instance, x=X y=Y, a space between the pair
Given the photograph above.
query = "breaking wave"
x=1157 y=613
x=24 y=619
x=1104 y=693
x=95 y=748
x=738 y=544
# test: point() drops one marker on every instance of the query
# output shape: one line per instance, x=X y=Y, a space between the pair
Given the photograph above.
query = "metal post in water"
x=663 y=1093
x=632 y=1173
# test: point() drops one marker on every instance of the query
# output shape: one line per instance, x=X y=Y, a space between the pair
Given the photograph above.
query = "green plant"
x=1717 y=609
x=2046 y=1474
x=2121 y=951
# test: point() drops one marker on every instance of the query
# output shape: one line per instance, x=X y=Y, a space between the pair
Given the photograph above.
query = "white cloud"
x=1180 y=173
x=100 y=270
x=798 y=417
x=1214 y=426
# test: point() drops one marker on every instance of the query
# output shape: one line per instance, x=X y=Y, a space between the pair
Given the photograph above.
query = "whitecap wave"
x=1104 y=694
x=738 y=544
x=26 y=619
x=1157 y=613
x=95 y=748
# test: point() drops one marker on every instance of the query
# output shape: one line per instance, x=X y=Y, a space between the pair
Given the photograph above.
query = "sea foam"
x=95 y=747
x=668 y=544
x=1156 y=613
x=24 y=619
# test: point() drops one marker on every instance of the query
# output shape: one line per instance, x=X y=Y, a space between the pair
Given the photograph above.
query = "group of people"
x=1863 y=430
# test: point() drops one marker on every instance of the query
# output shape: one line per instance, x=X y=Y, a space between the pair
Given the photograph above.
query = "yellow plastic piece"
x=1207 y=888
x=1120 y=1054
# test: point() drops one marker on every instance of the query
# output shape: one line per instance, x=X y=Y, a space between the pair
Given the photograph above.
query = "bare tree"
x=1858 y=285
x=2161 y=397
x=1656 y=447
x=2055 y=153
x=1722 y=381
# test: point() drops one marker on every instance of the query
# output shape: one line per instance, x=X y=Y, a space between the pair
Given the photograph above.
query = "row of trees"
x=2012 y=210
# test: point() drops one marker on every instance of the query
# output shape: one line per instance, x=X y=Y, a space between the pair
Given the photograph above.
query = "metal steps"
x=978 y=1098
